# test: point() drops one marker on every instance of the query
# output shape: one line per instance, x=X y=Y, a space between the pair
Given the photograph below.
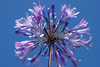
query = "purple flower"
x=23 y=51
x=18 y=44
x=38 y=12
x=35 y=59
x=29 y=27
x=83 y=31
x=54 y=38
x=75 y=40
x=74 y=61
x=62 y=58
x=68 y=12
x=81 y=24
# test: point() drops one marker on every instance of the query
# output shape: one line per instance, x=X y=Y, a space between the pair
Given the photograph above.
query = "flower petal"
x=62 y=58
x=17 y=44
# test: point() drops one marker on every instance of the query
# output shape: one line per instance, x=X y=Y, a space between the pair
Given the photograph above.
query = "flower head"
x=50 y=35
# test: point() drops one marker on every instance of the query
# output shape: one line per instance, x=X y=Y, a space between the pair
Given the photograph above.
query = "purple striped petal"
x=74 y=61
x=76 y=38
x=83 y=23
x=17 y=44
x=86 y=40
x=20 y=31
x=63 y=10
x=62 y=58
x=84 y=31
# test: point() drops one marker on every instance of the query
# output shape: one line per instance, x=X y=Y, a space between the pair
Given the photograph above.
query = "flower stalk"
x=50 y=50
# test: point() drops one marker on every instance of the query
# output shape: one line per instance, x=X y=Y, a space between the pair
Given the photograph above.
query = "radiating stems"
x=58 y=48
x=60 y=34
x=55 y=55
x=56 y=27
x=48 y=21
x=61 y=46
x=48 y=24
x=45 y=46
x=50 y=50
x=46 y=32
x=59 y=25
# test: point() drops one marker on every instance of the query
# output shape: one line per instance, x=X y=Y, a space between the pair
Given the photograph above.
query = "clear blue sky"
x=10 y=10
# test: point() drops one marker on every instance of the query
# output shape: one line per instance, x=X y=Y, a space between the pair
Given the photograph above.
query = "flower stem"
x=50 y=50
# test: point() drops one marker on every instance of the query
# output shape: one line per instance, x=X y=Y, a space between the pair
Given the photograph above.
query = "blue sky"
x=10 y=10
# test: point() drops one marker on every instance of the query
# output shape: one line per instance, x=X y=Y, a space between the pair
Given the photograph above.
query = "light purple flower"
x=18 y=44
x=38 y=12
x=35 y=59
x=38 y=9
x=54 y=38
x=83 y=31
x=23 y=52
x=74 y=61
x=83 y=23
x=29 y=27
x=77 y=41
x=68 y=12
x=62 y=58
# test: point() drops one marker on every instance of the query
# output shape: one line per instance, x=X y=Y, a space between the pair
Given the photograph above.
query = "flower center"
x=51 y=38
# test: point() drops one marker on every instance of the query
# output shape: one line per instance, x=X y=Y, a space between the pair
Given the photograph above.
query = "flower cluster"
x=50 y=35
